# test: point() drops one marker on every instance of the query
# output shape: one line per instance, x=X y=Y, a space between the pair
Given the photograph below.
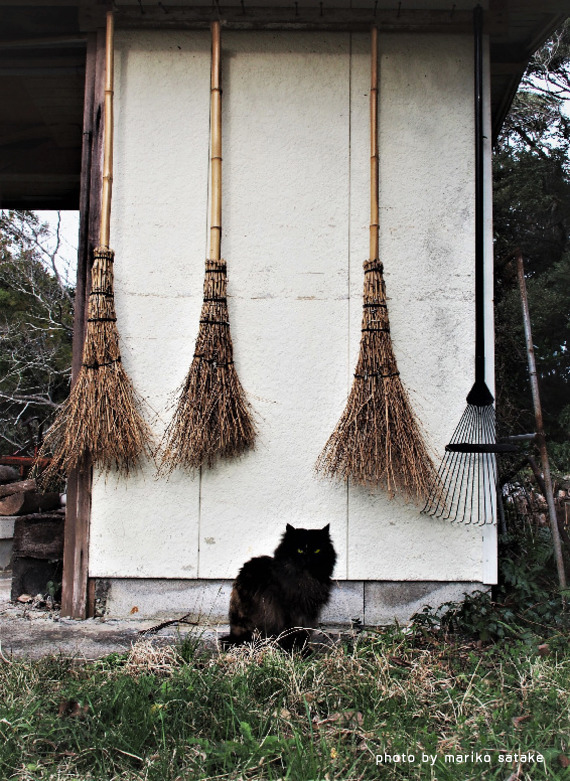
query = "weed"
x=256 y=713
x=527 y=603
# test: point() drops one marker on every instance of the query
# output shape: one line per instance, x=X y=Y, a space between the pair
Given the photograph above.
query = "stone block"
x=37 y=557
x=207 y=601
x=346 y=603
x=32 y=576
x=6 y=541
x=388 y=601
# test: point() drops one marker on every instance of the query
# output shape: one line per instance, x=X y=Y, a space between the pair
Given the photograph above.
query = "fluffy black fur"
x=281 y=596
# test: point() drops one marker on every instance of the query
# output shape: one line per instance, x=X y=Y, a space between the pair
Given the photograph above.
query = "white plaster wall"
x=296 y=210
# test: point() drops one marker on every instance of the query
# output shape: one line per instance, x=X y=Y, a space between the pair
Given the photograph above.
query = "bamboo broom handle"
x=374 y=209
x=105 y=228
x=216 y=147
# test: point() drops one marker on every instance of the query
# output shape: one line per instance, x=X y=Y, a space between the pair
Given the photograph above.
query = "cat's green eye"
x=299 y=550
x=318 y=550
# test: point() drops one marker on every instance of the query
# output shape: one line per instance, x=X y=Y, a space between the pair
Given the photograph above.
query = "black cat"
x=281 y=596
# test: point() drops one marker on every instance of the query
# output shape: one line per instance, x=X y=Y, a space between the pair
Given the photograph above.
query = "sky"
x=69 y=232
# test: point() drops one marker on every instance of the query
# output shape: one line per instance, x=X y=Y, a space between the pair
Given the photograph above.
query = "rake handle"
x=105 y=227
x=374 y=178
x=216 y=146
x=479 y=204
x=479 y=395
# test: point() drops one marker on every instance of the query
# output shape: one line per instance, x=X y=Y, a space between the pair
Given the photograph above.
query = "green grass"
x=167 y=715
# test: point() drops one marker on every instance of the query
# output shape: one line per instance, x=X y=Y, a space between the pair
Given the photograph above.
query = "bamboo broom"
x=100 y=423
x=378 y=440
x=213 y=417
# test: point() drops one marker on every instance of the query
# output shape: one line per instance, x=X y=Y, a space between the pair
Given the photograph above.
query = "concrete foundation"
x=370 y=602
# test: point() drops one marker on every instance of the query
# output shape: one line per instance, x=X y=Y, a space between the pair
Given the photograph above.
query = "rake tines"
x=468 y=472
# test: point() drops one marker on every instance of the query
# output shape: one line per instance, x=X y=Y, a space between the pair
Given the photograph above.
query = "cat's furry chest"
x=303 y=591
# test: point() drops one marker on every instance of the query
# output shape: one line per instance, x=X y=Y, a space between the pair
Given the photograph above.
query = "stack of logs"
x=37 y=551
x=21 y=497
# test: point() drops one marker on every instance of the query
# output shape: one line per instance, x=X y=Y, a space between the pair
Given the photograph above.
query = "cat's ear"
x=326 y=528
x=289 y=528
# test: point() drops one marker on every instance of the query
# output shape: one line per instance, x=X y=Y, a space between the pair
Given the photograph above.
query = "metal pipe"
x=479 y=216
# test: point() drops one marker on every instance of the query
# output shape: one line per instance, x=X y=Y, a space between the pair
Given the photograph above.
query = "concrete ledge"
x=346 y=603
x=388 y=601
x=206 y=600
x=7 y=527
x=372 y=602
x=6 y=540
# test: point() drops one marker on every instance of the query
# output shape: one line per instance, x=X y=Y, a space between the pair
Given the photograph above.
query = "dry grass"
x=256 y=713
x=378 y=440
x=148 y=658
x=213 y=418
x=100 y=422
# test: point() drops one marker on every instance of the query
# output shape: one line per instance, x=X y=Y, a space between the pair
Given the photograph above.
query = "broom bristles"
x=378 y=440
x=100 y=421
x=213 y=418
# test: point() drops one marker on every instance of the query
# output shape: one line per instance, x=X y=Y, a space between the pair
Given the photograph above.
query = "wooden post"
x=74 y=599
x=540 y=437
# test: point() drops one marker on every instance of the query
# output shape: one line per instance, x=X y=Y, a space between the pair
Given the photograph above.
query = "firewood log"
x=27 y=502
x=18 y=487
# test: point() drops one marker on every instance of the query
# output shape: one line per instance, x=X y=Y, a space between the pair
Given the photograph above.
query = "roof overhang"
x=43 y=50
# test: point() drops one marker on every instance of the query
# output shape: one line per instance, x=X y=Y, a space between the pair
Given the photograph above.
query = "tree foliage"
x=36 y=317
x=532 y=213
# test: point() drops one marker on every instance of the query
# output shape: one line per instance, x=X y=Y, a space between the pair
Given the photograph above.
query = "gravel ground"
x=34 y=629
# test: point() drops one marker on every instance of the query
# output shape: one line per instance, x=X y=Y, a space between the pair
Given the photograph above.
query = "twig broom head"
x=378 y=440
x=100 y=421
x=213 y=417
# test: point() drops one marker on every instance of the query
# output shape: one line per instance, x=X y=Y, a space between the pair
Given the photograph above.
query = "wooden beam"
x=75 y=589
x=41 y=3
x=508 y=68
x=536 y=6
x=49 y=42
x=291 y=17
x=39 y=71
